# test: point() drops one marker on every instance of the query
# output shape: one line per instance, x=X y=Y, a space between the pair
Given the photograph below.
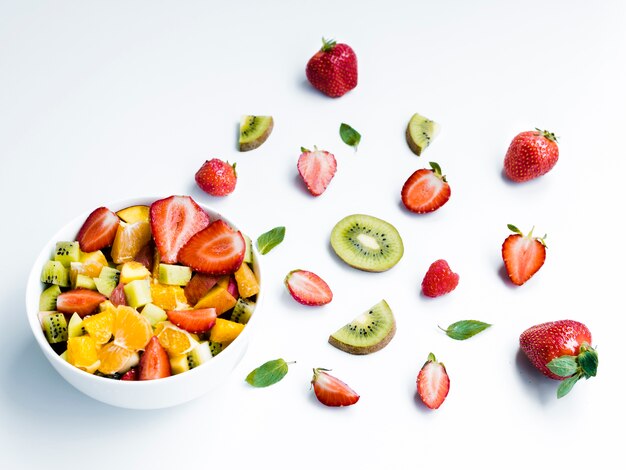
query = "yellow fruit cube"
x=218 y=298
x=225 y=331
x=246 y=281
x=133 y=271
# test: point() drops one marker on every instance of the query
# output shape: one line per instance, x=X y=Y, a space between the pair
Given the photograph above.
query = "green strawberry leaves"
x=349 y=135
x=574 y=368
x=267 y=241
x=269 y=373
x=563 y=366
x=464 y=329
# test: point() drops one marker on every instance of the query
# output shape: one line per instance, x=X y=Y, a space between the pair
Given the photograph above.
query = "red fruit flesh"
x=132 y=374
x=425 y=191
x=333 y=70
x=154 y=362
x=530 y=155
x=215 y=250
x=433 y=383
x=98 y=230
x=146 y=256
x=232 y=288
x=118 y=297
x=331 y=391
x=80 y=301
x=198 y=287
x=174 y=221
x=216 y=177
x=308 y=288
x=317 y=169
x=193 y=321
x=547 y=341
x=439 y=279
x=523 y=256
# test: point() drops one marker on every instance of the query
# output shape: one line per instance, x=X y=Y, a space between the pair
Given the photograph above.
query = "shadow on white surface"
x=536 y=385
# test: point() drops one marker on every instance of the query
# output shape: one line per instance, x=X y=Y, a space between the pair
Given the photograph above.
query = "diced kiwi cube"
x=174 y=275
x=154 y=314
x=84 y=282
x=55 y=327
x=215 y=347
x=247 y=257
x=48 y=298
x=67 y=252
x=179 y=364
x=138 y=293
x=243 y=310
x=199 y=355
x=54 y=272
x=104 y=286
x=75 y=326
x=110 y=274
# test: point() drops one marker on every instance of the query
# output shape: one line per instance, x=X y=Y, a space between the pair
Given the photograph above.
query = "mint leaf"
x=268 y=373
x=349 y=135
x=270 y=239
x=465 y=329
x=567 y=385
x=563 y=366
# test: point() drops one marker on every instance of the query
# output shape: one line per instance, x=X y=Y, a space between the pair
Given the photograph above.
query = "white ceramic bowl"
x=148 y=394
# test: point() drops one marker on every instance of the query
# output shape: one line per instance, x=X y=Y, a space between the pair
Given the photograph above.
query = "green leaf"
x=465 y=329
x=567 y=385
x=268 y=373
x=563 y=366
x=349 y=135
x=513 y=228
x=270 y=239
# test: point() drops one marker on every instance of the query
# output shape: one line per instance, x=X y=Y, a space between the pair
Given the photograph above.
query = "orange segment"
x=131 y=330
x=225 y=331
x=100 y=326
x=219 y=298
x=82 y=352
x=114 y=358
x=129 y=239
x=168 y=297
x=246 y=281
x=176 y=341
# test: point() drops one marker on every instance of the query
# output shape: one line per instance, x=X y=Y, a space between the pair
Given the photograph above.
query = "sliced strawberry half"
x=98 y=230
x=154 y=362
x=193 y=321
x=316 y=168
x=331 y=391
x=217 y=249
x=131 y=374
x=80 y=301
x=523 y=255
x=426 y=190
x=308 y=288
x=198 y=287
x=433 y=383
x=174 y=220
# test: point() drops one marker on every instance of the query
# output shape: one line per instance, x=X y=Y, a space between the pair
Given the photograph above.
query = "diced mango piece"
x=225 y=331
x=218 y=298
x=133 y=271
x=246 y=281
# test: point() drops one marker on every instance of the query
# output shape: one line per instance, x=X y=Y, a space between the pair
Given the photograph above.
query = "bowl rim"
x=34 y=287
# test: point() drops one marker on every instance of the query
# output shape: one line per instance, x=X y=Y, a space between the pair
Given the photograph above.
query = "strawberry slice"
x=193 y=321
x=217 y=249
x=316 y=168
x=308 y=288
x=433 y=383
x=523 y=255
x=130 y=375
x=198 y=287
x=331 y=391
x=174 y=220
x=425 y=190
x=81 y=301
x=98 y=230
x=154 y=362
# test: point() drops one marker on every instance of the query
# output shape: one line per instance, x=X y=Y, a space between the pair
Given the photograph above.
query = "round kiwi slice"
x=369 y=332
x=253 y=131
x=420 y=132
x=367 y=243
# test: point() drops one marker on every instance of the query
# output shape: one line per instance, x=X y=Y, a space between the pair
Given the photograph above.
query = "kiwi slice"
x=48 y=298
x=243 y=310
x=420 y=133
x=215 y=347
x=367 y=243
x=369 y=332
x=55 y=327
x=66 y=252
x=53 y=272
x=253 y=131
x=75 y=326
x=199 y=355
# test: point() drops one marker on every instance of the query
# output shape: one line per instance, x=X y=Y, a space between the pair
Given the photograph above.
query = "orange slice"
x=129 y=239
x=131 y=330
x=225 y=331
x=100 y=326
x=168 y=297
x=82 y=352
x=114 y=358
x=176 y=341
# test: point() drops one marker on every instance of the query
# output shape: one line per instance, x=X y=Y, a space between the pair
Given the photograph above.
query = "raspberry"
x=439 y=279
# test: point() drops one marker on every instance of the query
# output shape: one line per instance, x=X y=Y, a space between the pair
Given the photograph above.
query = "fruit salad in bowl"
x=145 y=303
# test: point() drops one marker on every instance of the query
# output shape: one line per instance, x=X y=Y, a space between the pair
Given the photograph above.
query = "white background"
x=102 y=101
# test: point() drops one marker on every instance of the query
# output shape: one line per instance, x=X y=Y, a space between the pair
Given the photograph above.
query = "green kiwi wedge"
x=253 y=131
x=67 y=252
x=369 y=332
x=243 y=310
x=367 y=243
x=420 y=133
x=53 y=272
x=55 y=327
x=48 y=298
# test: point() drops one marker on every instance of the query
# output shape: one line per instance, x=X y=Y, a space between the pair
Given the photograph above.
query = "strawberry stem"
x=547 y=134
x=328 y=45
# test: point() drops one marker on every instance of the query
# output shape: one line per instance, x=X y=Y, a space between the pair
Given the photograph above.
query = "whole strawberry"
x=561 y=350
x=333 y=69
x=531 y=154
x=439 y=279
x=216 y=177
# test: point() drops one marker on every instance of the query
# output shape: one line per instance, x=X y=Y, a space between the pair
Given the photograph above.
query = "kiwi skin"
x=255 y=143
x=418 y=148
